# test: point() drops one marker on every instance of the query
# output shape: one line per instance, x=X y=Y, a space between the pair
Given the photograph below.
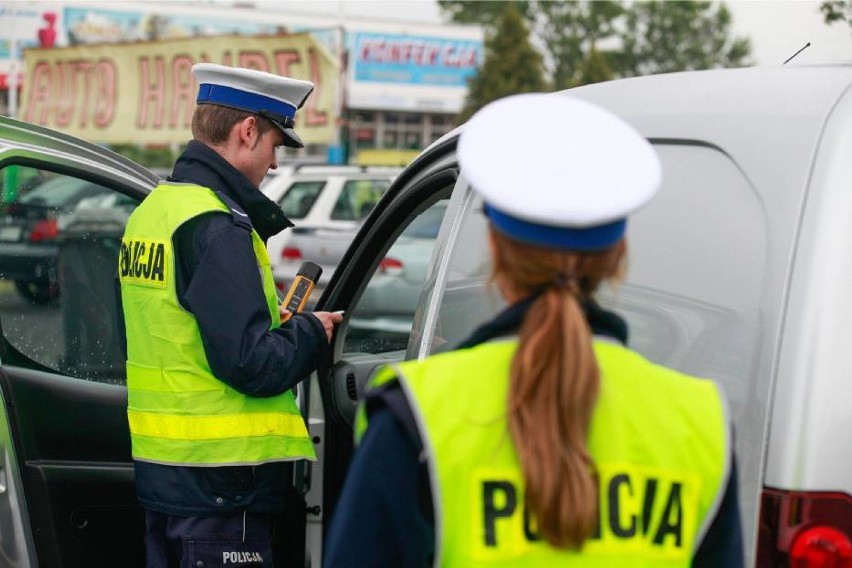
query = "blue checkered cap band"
x=244 y=100
x=595 y=238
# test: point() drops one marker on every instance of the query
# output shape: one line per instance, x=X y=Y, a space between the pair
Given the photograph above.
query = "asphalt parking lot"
x=34 y=330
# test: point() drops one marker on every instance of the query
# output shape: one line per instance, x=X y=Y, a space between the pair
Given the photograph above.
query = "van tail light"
x=44 y=230
x=805 y=529
x=391 y=266
x=291 y=254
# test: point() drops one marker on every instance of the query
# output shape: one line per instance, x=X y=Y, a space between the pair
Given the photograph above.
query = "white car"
x=387 y=306
x=325 y=198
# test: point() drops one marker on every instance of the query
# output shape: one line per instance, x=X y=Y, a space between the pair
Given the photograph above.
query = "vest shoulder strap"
x=238 y=216
x=391 y=396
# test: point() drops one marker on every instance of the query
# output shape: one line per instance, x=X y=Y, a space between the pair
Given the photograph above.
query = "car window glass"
x=468 y=297
x=381 y=319
x=357 y=198
x=682 y=307
x=59 y=240
x=300 y=197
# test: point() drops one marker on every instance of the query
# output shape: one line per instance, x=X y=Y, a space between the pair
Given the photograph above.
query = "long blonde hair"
x=555 y=381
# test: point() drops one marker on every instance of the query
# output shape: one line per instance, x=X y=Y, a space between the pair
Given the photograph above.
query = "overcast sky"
x=777 y=28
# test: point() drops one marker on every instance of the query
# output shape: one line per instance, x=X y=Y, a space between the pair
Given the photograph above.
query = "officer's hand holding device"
x=300 y=290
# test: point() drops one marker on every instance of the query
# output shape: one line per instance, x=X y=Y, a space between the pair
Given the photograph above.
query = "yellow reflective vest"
x=659 y=440
x=179 y=412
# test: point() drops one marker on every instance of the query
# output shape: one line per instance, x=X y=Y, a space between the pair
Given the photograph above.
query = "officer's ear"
x=248 y=131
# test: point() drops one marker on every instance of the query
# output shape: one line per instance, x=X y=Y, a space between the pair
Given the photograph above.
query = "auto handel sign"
x=145 y=93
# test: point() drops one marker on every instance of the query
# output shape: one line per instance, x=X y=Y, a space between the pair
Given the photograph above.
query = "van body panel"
x=812 y=412
x=787 y=395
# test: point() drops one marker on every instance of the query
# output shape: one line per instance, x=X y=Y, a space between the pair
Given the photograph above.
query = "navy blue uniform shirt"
x=385 y=517
x=218 y=281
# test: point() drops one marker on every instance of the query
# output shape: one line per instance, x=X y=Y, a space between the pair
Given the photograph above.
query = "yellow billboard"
x=144 y=92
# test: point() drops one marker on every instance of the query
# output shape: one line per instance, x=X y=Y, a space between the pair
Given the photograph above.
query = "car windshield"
x=60 y=191
x=300 y=197
x=358 y=198
x=427 y=225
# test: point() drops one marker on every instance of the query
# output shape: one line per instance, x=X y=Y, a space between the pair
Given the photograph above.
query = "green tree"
x=836 y=11
x=627 y=39
x=511 y=65
x=570 y=32
x=486 y=13
x=662 y=37
x=594 y=68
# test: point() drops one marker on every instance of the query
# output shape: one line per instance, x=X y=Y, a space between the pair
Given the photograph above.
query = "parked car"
x=738 y=272
x=327 y=201
x=32 y=219
x=388 y=304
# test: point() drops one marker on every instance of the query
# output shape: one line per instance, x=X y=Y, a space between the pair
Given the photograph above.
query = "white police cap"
x=570 y=182
x=274 y=97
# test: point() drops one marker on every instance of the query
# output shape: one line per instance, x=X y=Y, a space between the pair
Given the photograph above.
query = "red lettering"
x=105 y=73
x=418 y=54
x=82 y=68
x=448 y=56
x=283 y=60
x=469 y=57
x=151 y=91
x=254 y=60
x=431 y=57
x=184 y=91
x=39 y=100
x=313 y=116
x=364 y=52
x=67 y=92
x=374 y=50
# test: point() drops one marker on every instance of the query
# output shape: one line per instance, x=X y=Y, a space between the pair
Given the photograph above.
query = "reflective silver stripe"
x=428 y=454
x=726 y=474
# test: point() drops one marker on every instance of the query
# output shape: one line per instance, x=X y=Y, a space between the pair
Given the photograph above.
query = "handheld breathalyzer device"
x=300 y=290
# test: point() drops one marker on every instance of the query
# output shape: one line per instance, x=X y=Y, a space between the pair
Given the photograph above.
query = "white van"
x=738 y=270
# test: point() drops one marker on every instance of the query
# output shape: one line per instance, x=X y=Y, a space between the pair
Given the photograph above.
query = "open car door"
x=386 y=283
x=66 y=485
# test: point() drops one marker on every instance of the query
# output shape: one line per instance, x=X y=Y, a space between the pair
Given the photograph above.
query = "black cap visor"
x=285 y=125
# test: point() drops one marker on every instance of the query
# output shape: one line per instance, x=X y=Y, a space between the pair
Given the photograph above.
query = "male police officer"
x=210 y=367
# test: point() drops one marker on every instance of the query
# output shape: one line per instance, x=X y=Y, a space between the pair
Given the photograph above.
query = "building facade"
x=398 y=86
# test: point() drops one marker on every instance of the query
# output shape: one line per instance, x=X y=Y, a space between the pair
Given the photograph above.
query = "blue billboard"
x=413 y=60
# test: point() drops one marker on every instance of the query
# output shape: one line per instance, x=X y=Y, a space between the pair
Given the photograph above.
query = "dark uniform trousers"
x=241 y=539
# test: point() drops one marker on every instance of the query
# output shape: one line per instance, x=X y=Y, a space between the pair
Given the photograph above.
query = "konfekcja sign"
x=144 y=92
x=425 y=73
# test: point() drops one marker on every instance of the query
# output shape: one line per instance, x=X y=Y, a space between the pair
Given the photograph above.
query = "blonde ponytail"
x=554 y=383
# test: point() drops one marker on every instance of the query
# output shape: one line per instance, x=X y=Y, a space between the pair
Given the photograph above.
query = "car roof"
x=19 y=138
x=274 y=185
x=730 y=95
x=751 y=115
x=737 y=111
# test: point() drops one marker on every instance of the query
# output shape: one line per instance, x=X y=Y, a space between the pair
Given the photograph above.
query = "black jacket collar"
x=508 y=322
x=201 y=165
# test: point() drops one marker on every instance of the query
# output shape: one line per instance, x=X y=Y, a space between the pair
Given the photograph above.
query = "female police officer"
x=545 y=440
